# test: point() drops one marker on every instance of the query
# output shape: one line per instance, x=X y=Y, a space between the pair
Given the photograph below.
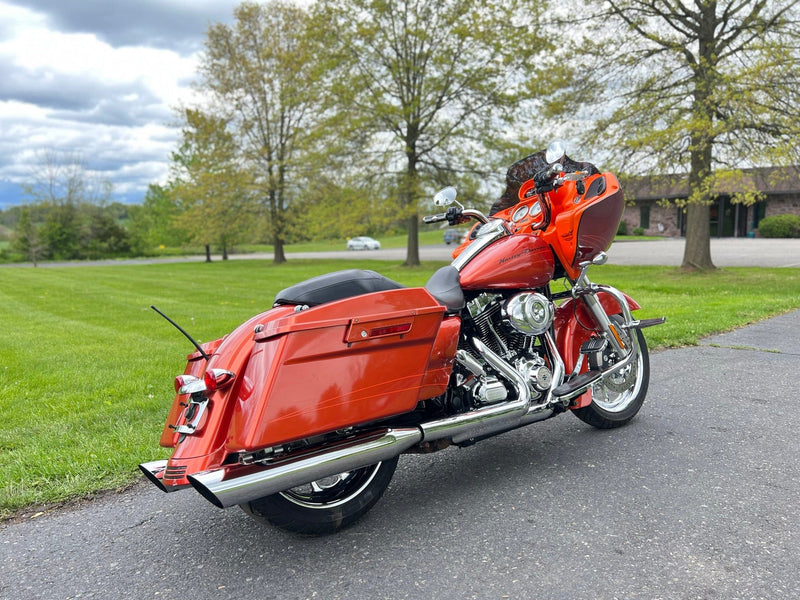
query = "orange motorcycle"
x=300 y=414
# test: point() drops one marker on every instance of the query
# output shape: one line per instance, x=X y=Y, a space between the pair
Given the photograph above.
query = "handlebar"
x=435 y=218
x=475 y=214
x=574 y=176
x=548 y=179
x=456 y=215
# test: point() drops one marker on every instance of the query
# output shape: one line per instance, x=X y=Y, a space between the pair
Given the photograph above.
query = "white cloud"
x=99 y=82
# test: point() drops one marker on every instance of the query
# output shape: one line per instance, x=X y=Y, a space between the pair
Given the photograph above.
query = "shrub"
x=622 y=228
x=638 y=231
x=780 y=226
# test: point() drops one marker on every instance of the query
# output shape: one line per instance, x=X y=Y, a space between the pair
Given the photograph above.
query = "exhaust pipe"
x=238 y=484
x=490 y=419
x=155 y=472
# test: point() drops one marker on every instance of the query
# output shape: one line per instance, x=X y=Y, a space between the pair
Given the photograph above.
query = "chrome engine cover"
x=536 y=373
x=529 y=313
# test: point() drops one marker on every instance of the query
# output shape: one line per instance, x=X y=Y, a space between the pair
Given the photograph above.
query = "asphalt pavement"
x=725 y=252
x=696 y=498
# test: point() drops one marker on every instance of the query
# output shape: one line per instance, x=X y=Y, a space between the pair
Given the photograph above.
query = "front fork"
x=607 y=327
x=587 y=292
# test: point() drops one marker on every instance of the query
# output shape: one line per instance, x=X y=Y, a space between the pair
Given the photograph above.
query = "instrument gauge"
x=519 y=214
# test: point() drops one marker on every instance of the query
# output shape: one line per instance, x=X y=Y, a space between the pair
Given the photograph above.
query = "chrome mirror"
x=445 y=197
x=555 y=151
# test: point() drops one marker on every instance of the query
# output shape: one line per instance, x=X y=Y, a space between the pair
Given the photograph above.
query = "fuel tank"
x=518 y=261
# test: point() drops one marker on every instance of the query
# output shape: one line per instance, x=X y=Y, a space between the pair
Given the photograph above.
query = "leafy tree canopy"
x=702 y=87
x=429 y=85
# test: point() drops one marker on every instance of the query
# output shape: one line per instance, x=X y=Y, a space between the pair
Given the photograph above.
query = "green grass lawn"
x=86 y=367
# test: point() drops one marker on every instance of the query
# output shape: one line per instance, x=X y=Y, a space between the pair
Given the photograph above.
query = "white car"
x=363 y=243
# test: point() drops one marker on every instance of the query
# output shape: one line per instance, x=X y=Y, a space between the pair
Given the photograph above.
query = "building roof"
x=772 y=181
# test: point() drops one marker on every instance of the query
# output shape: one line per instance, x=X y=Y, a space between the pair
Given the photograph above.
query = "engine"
x=513 y=328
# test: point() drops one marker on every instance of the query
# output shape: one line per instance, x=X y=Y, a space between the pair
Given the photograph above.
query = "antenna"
x=179 y=328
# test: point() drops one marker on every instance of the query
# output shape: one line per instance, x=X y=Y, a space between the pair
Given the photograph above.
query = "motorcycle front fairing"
x=301 y=372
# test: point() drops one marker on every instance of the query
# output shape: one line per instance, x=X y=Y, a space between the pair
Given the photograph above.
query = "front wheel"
x=326 y=505
x=618 y=397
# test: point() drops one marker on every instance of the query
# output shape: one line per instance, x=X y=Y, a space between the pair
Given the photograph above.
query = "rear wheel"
x=326 y=505
x=618 y=397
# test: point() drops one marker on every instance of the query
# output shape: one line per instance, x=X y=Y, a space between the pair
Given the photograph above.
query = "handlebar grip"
x=435 y=218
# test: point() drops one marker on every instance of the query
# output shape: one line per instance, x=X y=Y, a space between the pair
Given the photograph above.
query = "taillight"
x=188 y=384
x=390 y=330
x=216 y=379
x=213 y=379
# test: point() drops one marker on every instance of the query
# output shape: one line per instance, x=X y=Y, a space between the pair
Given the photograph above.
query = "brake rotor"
x=622 y=380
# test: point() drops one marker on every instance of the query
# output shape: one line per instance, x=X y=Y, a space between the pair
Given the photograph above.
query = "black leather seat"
x=444 y=285
x=335 y=286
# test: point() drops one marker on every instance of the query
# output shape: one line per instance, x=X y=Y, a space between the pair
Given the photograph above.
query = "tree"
x=61 y=184
x=341 y=210
x=58 y=178
x=105 y=236
x=154 y=222
x=28 y=239
x=210 y=183
x=63 y=230
x=704 y=87
x=435 y=82
x=260 y=74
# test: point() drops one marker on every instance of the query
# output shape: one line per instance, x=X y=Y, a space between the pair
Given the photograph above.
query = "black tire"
x=327 y=505
x=610 y=408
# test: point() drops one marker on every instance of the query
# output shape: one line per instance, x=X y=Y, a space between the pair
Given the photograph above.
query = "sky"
x=99 y=79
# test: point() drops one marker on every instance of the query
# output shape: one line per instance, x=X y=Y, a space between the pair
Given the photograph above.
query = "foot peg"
x=650 y=322
x=577 y=385
x=594 y=344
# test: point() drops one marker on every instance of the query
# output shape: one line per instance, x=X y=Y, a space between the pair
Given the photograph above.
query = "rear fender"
x=206 y=447
x=574 y=324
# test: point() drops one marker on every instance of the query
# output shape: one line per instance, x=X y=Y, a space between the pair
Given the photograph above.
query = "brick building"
x=647 y=207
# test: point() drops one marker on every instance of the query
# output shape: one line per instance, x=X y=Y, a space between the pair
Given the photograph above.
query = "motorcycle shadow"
x=510 y=474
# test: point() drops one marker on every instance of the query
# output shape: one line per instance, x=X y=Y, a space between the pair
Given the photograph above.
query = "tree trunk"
x=208 y=252
x=697 y=252
x=280 y=254
x=224 y=252
x=412 y=251
x=408 y=198
x=279 y=208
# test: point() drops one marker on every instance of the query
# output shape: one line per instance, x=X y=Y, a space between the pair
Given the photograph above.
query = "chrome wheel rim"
x=628 y=380
x=332 y=491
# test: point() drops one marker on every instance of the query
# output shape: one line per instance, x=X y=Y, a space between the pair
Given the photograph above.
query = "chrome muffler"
x=238 y=484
